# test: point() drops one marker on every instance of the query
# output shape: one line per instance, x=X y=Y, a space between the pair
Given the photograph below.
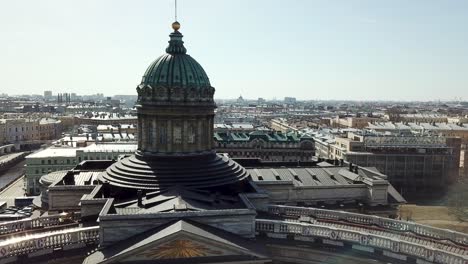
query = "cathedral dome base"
x=154 y=173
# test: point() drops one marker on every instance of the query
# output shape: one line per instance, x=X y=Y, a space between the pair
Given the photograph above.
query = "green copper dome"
x=176 y=68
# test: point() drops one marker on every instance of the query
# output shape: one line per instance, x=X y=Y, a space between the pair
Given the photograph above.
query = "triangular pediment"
x=183 y=246
x=181 y=242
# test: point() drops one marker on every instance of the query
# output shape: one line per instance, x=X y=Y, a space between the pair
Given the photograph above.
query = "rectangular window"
x=150 y=134
x=191 y=134
x=177 y=133
x=162 y=134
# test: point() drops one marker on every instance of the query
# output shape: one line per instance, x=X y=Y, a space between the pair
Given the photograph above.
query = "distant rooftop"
x=111 y=147
x=246 y=126
x=113 y=117
x=404 y=141
x=417 y=126
x=44 y=121
x=54 y=152
x=267 y=136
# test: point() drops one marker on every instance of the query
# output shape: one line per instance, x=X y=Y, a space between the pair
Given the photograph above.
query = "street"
x=12 y=174
x=16 y=189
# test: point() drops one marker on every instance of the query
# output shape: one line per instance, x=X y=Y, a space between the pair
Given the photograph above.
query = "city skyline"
x=308 y=49
x=344 y=137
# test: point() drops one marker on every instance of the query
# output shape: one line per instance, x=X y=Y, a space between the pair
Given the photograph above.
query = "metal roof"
x=305 y=176
x=54 y=152
x=111 y=147
x=176 y=68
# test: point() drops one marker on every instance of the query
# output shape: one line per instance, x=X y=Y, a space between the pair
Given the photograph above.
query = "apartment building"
x=267 y=145
x=23 y=130
x=415 y=165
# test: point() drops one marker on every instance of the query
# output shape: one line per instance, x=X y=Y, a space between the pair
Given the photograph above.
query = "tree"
x=394 y=114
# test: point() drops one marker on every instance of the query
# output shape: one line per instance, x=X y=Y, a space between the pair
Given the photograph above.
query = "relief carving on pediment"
x=180 y=248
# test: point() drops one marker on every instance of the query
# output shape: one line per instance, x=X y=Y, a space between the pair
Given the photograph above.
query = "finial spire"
x=175 y=10
x=176 y=45
x=175 y=25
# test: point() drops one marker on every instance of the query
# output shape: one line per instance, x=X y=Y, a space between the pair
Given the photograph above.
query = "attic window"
x=297 y=178
x=278 y=178
x=260 y=178
x=315 y=178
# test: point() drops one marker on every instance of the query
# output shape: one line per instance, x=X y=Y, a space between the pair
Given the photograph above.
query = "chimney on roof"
x=140 y=198
x=69 y=178
x=356 y=169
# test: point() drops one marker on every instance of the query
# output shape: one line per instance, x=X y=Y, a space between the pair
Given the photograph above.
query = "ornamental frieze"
x=162 y=93
x=146 y=93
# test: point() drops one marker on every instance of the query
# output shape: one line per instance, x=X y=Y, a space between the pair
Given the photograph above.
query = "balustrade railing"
x=390 y=244
x=58 y=239
x=35 y=223
x=390 y=224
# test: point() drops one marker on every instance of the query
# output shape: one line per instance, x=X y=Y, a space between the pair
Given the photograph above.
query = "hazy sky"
x=328 y=49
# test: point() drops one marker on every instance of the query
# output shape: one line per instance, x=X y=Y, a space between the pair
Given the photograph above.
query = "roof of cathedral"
x=178 y=198
x=175 y=68
x=199 y=171
x=264 y=135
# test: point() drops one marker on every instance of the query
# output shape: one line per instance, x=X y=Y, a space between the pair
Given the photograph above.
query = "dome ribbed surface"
x=158 y=173
x=176 y=70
